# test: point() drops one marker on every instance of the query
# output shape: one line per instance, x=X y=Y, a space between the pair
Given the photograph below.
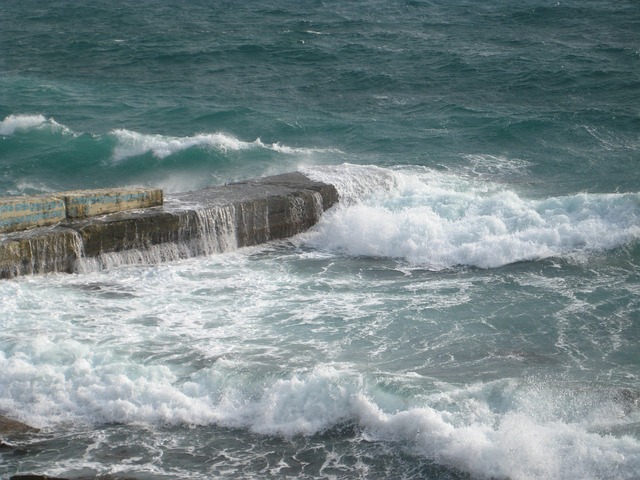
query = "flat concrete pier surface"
x=72 y=231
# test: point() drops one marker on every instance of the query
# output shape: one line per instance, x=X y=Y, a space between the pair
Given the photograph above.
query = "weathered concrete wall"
x=211 y=220
x=89 y=203
x=268 y=208
x=23 y=213
x=41 y=250
x=20 y=213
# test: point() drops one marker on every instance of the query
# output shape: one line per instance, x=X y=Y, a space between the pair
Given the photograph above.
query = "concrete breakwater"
x=90 y=230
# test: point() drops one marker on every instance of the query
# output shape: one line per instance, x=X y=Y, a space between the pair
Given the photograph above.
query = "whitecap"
x=435 y=220
x=130 y=144
x=23 y=123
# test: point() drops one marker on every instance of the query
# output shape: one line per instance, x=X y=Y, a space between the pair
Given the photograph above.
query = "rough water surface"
x=469 y=310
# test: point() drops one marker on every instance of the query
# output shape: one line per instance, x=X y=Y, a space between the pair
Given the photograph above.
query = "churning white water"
x=376 y=323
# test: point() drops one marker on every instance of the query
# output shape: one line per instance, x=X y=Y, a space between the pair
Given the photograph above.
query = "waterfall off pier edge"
x=202 y=222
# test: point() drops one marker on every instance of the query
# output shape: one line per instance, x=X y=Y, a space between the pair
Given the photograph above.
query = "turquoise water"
x=471 y=308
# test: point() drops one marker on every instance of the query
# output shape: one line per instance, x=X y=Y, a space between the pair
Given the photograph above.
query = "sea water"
x=469 y=310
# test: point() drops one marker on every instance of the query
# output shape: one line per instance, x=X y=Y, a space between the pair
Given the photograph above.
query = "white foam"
x=493 y=166
x=131 y=144
x=29 y=187
x=358 y=183
x=277 y=147
x=504 y=429
x=180 y=344
x=436 y=220
x=513 y=445
x=23 y=123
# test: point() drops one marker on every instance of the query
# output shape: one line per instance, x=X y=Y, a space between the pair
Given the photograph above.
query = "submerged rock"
x=9 y=427
x=12 y=430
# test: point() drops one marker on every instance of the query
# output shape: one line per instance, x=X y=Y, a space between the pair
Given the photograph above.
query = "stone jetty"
x=92 y=229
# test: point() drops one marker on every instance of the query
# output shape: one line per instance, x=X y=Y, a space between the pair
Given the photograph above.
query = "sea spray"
x=471 y=429
x=434 y=220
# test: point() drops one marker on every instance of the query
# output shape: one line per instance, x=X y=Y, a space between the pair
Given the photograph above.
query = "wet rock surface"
x=210 y=220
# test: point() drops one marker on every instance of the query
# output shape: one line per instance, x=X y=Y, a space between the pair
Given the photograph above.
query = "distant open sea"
x=471 y=308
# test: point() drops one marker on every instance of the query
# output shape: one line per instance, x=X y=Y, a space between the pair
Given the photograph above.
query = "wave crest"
x=434 y=220
x=23 y=123
x=131 y=144
x=506 y=429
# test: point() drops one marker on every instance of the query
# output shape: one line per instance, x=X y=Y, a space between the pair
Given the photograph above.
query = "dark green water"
x=469 y=311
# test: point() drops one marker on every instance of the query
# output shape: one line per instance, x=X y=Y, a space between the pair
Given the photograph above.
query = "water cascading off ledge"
x=212 y=220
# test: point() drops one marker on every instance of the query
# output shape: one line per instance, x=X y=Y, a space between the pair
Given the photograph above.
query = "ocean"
x=469 y=310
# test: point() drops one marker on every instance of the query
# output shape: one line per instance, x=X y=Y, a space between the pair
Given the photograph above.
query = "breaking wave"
x=13 y=124
x=436 y=221
x=131 y=144
x=517 y=429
